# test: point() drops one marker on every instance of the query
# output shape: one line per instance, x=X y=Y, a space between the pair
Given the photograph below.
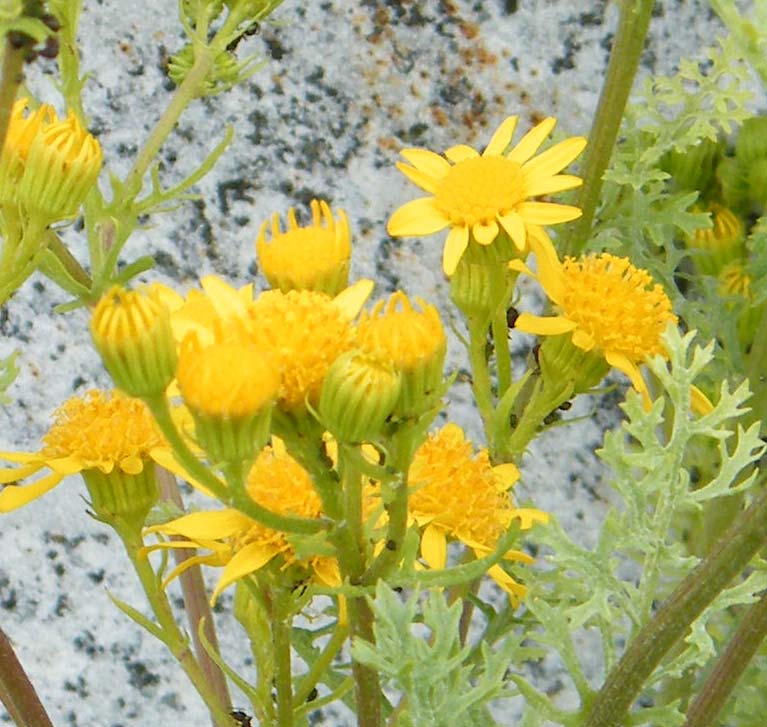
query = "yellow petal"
x=623 y=363
x=455 y=244
x=327 y=572
x=212 y=559
x=460 y=153
x=543 y=325
x=699 y=402
x=213 y=525
x=583 y=340
x=517 y=556
x=521 y=267
x=551 y=185
x=502 y=137
x=434 y=547
x=417 y=217
x=243 y=563
x=19 y=473
x=508 y=474
x=227 y=301
x=166 y=460
x=547 y=213
x=515 y=590
x=70 y=465
x=431 y=164
x=550 y=271
x=133 y=465
x=423 y=180
x=171 y=298
x=485 y=234
x=13 y=497
x=554 y=160
x=23 y=457
x=531 y=141
x=515 y=227
x=529 y=516
x=350 y=300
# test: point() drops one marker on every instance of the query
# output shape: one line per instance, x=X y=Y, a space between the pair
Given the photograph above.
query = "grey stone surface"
x=345 y=86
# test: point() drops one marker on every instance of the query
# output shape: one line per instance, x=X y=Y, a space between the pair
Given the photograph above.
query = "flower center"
x=479 y=189
x=617 y=304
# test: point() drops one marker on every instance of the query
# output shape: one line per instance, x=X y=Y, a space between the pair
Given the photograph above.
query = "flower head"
x=305 y=332
x=459 y=495
x=478 y=195
x=609 y=306
x=413 y=340
x=243 y=546
x=132 y=332
x=105 y=433
x=62 y=164
x=315 y=257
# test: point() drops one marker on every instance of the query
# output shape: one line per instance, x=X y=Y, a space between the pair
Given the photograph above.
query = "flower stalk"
x=633 y=25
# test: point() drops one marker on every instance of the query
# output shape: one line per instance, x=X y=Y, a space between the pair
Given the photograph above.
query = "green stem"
x=184 y=95
x=68 y=261
x=633 y=25
x=196 y=603
x=235 y=496
x=732 y=553
x=502 y=354
x=731 y=664
x=17 y=694
x=283 y=678
x=480 y=374
x=320 y=665
x=174 y=639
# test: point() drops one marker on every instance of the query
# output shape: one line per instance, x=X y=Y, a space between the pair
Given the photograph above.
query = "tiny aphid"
x=241 y=718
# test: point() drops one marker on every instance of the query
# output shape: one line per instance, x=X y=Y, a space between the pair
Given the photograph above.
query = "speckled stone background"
x=345 y=86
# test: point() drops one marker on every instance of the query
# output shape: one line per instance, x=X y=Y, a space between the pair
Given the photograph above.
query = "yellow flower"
x=459 y=495
x=305 y=332
x=315 y=257
x=609 y=306
x=243 y=546
x=102 y=433
x=414 y=341
x=480 y=195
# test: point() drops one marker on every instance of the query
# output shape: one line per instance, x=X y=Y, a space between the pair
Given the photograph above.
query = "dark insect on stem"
x=241 y=718
x=312 y=695
x=511 y=316
x=566 y=405
x=253 y=29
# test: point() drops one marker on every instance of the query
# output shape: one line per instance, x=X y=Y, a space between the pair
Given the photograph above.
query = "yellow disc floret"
x=103 y=431
x=615 y=306
x=480 y=189
x=315 y=257
x=305 y=332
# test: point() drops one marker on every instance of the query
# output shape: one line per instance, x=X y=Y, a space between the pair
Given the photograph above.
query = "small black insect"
x=253 y=29
x=241 y=718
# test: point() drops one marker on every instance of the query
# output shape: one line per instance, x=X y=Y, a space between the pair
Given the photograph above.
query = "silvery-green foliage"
x=702 y=100
x=639 y=557
x=419 y=653
x=750 y=33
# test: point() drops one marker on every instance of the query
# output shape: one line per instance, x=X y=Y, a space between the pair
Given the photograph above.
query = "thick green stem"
x=480 y=374
x=502 y=354
x=732 y=553
x=283 y=678
x=747 y=639
x=171 y=633
x=17 y=694
x=196 y=602
x=633 y=25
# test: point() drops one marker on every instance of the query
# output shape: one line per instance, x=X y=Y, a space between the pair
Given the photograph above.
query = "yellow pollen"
x=103 y=431
x=617 y=304
x=478 y=190
x=305 y=332
x=401 y=334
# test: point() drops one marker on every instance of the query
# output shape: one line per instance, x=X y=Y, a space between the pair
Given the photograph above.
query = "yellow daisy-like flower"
x=315 y=257
x=608 y=305
x=459 y=495
x=477 y=195
x=305 y=332
x=97 y=432
x=277 y=482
